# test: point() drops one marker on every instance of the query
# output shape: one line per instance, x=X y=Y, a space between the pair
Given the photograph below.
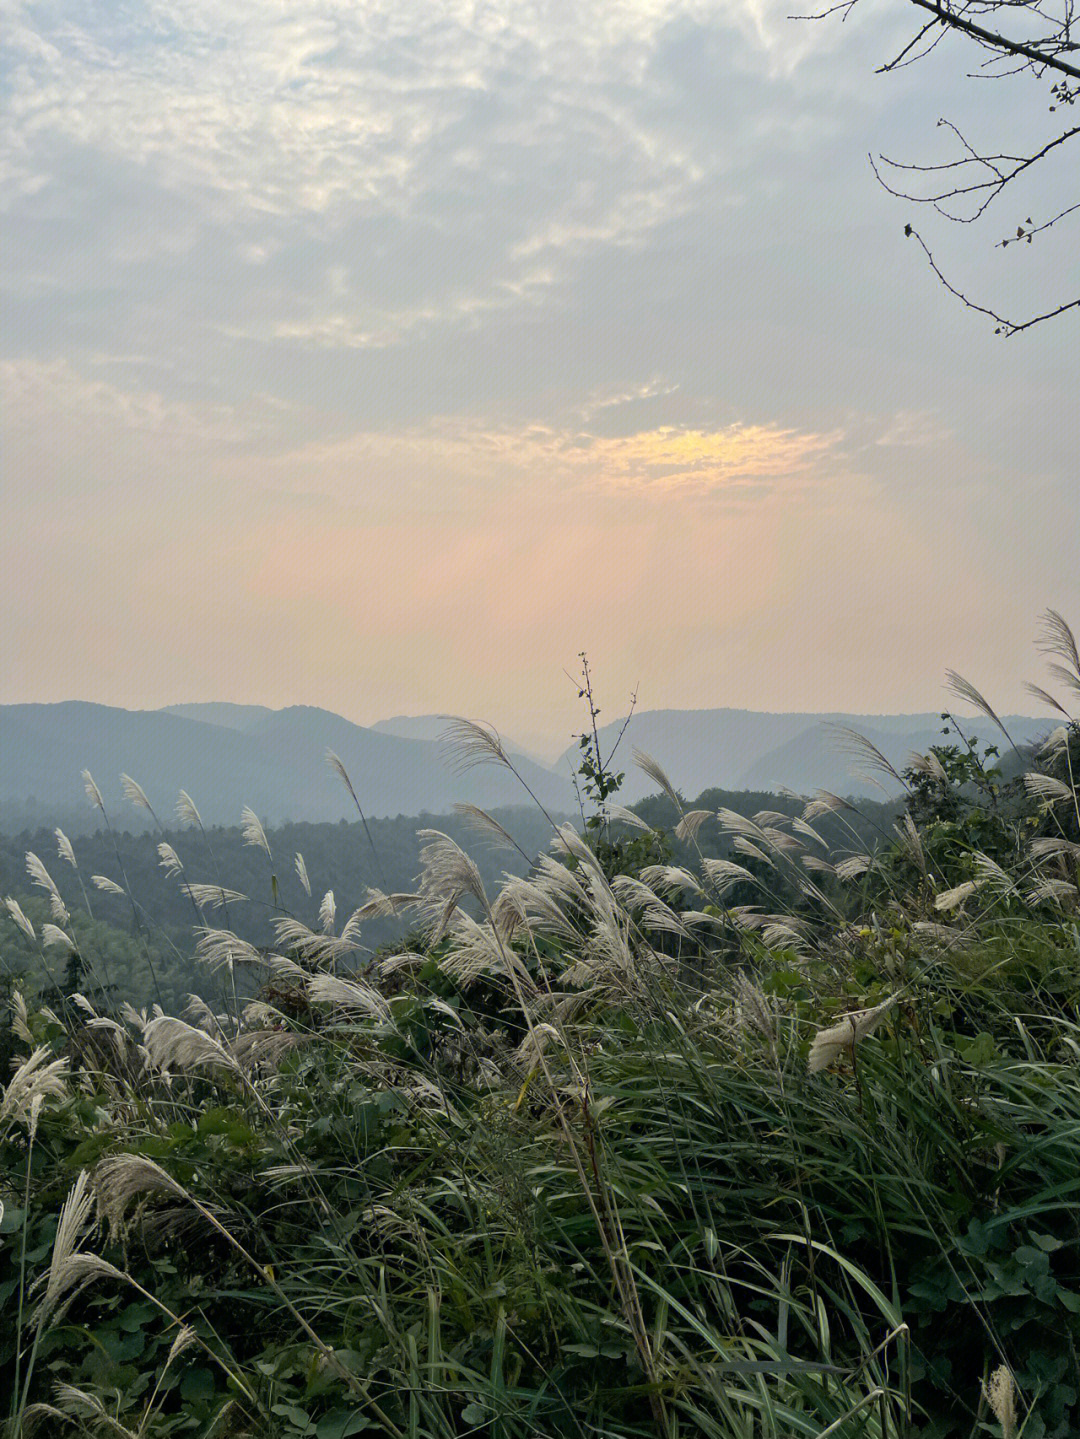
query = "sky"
x=385 y=355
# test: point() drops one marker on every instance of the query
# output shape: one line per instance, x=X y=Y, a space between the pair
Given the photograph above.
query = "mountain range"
x=227 y=756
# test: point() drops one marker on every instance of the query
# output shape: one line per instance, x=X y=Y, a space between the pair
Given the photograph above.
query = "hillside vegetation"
x=701 y=1123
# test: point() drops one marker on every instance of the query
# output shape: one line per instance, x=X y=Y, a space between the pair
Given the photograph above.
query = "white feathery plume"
x=724 y=872
x=857 y=746
x=93 y=794
x=40 y=876
x=34 y=1077
x=817 y=864
x=688 y=827
x=252 y=830
x=1056 y=742
x=54 y=936
x=990 y=873
x=327 y=912
x=853 y=866
x=471 y=743
x=489 y=828
x=309 y=943
x=186 y=813
x=64 y=848
x=74 y=1215
x=348 y=994
x=220 y=948
x=135 y=794
x=1054 y=845
x=752 y=1009
x=20 y=1018
x=965 y=690
x=1056 y=638
x=911 y=840
x=829 y=1044
x=670 y=878
x=1047 y=699
x=104 y=883
x=170 y=861
x=800 y=826
x=123 y=1178
x=1046 y=788
x=171 y=1042
x=213 y=896
x=649 y=766
x=301 y=870
x=742 y=845
x=14 y=908
x=185 y=1337
x=928 y=764
x=1001 y=1396
x=449 y=874
x=952 y=898
x=619 y=814
x=825 y=802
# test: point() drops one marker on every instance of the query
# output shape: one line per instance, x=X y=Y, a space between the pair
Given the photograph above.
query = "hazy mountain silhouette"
x=745 y=749
x=227 y=756
x=276 y=764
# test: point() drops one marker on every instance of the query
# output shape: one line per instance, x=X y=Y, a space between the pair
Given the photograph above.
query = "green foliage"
x=723 y=1135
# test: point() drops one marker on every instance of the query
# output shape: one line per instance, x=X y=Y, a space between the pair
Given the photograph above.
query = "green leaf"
x=197 y=1384
x=340 y=1423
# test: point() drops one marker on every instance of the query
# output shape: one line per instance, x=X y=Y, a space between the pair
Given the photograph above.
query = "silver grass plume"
x=253 y=832
x=829 y=1044
x=853 y=866
x=135 y=794
x=1001 y=1396
x=34 y=1078
x=965 y=690
x=172 y=1043
x=1046 y=788
x=105 y=884
x=1056 y=638
x=348 y=994
x=125 y=1178
x=309 y=943
x=53 y=936
x=64 y=848
x=213 y=896
x=74 y=1216
x=649 y=766
x=952 y=898
x=170 y=861
x=1056 y=742
x=825 y=802
x=752 y=1009
x=929 y=764
x=93 y=794
x=800 y=826
x=619 y=814
x=471 y=743
x=301 y=870
x=40 y=876
x=328 y=912
x=744 y=846
x=858 y=747
x=725 y=872
x=1046 y=698
x=220 y=948
x=14 y=908
x=449 y=875
x=186 y=813
x=688 y=827
x=487 y=825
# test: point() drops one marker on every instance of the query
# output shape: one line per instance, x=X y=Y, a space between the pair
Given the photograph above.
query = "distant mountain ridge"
x=227 y=756
x=276 y=764
x=750 y=749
